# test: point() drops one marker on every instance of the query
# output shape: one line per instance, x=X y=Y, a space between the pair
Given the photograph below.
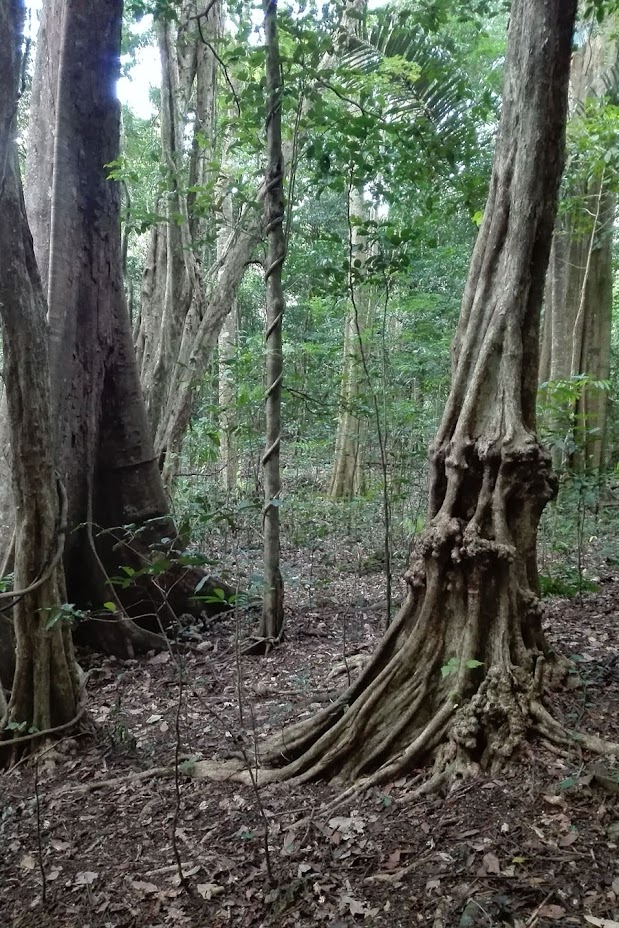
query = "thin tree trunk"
x=347 y=479
x=204 y=319
x=228 y=347
x=272 y=624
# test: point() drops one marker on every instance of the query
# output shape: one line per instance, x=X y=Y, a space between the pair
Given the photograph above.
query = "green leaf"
x=110 y=606
x=568 y=783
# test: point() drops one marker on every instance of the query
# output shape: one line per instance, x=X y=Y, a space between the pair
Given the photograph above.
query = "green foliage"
x=566 y=582
x=64 y=613
x=561 y=425
x=600 y=9
x=454 y=663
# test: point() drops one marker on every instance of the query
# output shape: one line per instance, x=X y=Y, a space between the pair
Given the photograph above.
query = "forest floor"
x=86 y=833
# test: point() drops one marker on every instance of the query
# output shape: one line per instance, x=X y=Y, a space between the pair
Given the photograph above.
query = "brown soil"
x=536 y=847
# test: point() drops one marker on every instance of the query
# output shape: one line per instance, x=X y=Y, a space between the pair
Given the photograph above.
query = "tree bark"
x=578 y=301
x=272 y=622
x=203 y=321
x=228 y=347
x=458 y=676
x=347 y=479
x=44 y=687
x=102 y=439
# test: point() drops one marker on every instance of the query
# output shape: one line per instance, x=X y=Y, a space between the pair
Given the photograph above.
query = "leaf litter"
x=537 y=846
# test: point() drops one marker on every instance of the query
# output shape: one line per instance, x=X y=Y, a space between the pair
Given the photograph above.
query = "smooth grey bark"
x=347 y=478
x=44 y=686
x=227 y=351
x=578 y=300
x=204 y=319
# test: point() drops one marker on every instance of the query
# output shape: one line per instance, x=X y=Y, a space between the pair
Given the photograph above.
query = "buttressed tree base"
x=458 y=679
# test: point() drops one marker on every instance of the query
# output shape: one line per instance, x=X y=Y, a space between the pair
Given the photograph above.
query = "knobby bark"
x=44 y=687
x=458 y=677
x=579 y=287
x=272 y=623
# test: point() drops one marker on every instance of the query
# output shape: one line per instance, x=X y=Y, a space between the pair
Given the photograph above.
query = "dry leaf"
x=28 y=862
x=551 y=911
x=568 y=839
x=601 y=922
x=209 y=890
x=491 y=864
x=145 y=888
x=356 y=908
x=60 y=845
x=393 y=860
x=85 y=878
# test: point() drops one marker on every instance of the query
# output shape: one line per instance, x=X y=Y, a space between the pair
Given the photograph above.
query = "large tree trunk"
x=44 y=687
x=458 y=676
x=103 y=442
x=187 y=291
x=578 y=301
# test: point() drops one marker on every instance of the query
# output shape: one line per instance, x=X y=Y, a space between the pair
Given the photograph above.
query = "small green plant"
x=566 y=582
x=454 y=663
x=65 y=612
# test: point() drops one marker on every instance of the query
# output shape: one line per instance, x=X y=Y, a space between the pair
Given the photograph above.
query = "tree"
x=579 y=292
x=44 y=687
x=187 y=291
x=273 y=601
x=118 y=518
x=458 y=677
x=347 y=479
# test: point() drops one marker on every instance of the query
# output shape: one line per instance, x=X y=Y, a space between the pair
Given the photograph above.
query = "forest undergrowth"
x=87 y=828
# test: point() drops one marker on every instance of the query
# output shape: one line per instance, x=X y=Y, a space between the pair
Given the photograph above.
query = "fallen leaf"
x=153 y=718
x=209 y=890
x=85 y=878
x=145 y=888
x=551 y=911
x=60 y=845
x=28 y=862
x=162 y=658
x=568 y=839
x=393 y=860
x=355 y=907
x=490 y=864
x=601 y=922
